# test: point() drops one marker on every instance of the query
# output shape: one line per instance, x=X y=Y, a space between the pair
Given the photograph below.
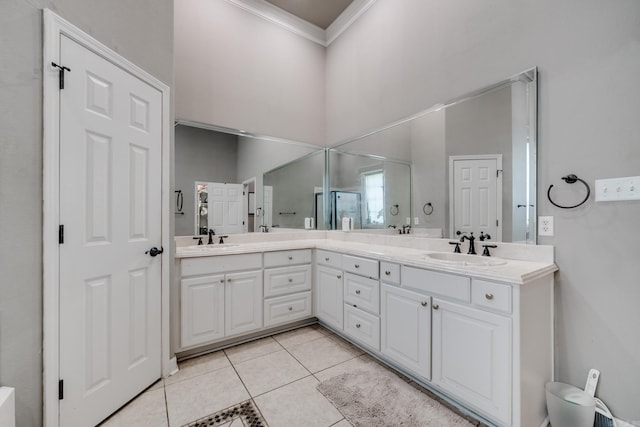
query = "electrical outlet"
x=408 y=222
x=416 y=221
x=545 y=226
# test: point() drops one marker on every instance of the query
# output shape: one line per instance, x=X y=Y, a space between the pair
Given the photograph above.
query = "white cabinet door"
x=243 y=302
x=329 y=297
x=406 y=329
x=472 y=357
x=202 y=310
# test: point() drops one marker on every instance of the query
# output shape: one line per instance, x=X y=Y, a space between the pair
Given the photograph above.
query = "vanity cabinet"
x=472 y=356
x=202 y=313
x=220 y=297
x=287 y=286
x=406 y=329
x=243 y=302
x=329 y=296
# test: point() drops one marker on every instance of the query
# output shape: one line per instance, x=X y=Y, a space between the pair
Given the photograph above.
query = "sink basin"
x=464 y=259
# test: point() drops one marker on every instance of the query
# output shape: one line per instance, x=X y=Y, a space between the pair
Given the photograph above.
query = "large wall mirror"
x=218 y=177
x=473 y=162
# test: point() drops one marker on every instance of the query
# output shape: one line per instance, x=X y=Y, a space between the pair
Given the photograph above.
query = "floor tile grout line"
x=256 y=357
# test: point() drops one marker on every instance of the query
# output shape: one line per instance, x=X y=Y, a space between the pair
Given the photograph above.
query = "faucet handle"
x=485 y=252
x=456 y=250
x=199 y=239
x=222 y=237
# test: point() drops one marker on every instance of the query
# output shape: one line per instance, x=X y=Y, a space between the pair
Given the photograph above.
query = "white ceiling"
x=321 y=13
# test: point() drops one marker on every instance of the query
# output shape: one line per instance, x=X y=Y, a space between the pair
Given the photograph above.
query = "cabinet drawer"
x=331 y=259
x=287 y=280
x=362 y=292
x=362 y=266
x=431 y=282
x=283 y=258
x=220 y=263
x=390 y=272
x=362 y=327
x=287 y=308
x=495 y=296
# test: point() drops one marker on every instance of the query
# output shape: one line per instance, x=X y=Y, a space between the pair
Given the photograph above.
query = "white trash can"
x=569 y=406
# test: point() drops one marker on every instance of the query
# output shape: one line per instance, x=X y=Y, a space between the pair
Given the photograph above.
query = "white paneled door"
x=476 y=191
x=225 y=207
x=110 y=206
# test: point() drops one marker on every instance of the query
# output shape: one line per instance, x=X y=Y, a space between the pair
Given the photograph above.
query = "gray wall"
x=402 y=56
x=144 y=35
x=257 y=156
x=293 y=189
x=201 y=155
x=237 y=70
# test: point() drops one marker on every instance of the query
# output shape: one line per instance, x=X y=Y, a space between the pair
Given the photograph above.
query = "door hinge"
x=496 y=222
x=60 y=389
x=61 y=73
x=61 y=234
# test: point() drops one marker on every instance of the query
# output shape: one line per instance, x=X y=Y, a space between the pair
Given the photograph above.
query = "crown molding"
x=301 y=27
x=346 y=18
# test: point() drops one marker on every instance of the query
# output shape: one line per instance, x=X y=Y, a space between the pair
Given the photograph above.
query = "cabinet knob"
x=339 y=276
x=326 y=259
x=424 y=303
x=290 y=280
x=488 y=296
x=357 y=291
x=357 y=266
x=221 y=280
x=388 y=273
x=435 y=306
x=290 y=308
x=357 y=325
x=290 y=258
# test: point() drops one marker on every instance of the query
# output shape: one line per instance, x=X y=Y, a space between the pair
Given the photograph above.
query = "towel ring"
x=570 y=179
x=393 y=208
x=427 y=208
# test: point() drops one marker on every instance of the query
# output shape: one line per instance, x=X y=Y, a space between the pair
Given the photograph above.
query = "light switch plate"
x=545 y=226
x=617 y=189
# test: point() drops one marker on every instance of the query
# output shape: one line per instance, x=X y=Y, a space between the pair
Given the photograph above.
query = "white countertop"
x=524 y=263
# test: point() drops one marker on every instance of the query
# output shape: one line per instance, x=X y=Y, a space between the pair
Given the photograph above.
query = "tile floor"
x=278 y=374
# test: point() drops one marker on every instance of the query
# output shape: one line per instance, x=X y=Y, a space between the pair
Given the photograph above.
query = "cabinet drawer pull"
x=357 y=266
x=357 y=325
x=357 y=291
x=290 y=308
x=488 y=296
x=290 y=280
x=435 y=306
x=290 y=258
x=424 y=303
x=388 y=273
x=339 y=276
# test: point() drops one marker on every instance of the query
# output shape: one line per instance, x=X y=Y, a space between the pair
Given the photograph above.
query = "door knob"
x=154 y=251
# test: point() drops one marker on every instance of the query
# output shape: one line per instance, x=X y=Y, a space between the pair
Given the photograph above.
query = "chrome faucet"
x=471 y=239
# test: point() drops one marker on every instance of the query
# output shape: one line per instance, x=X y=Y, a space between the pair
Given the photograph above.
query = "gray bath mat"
x=381 y=398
